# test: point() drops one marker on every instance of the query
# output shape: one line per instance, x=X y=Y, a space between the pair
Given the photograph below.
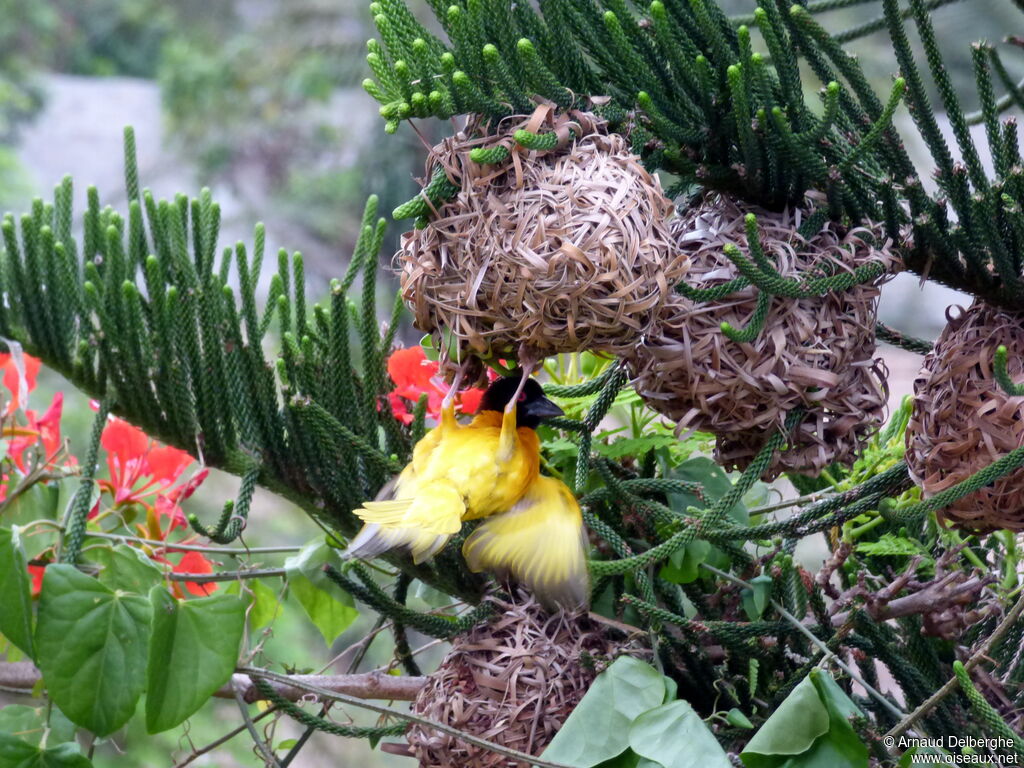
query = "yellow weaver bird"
x=489 y=468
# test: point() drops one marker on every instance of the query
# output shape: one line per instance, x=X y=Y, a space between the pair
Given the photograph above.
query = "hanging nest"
x=963 y=420
x=548 y=251
x=513 y=681
x=813 y=353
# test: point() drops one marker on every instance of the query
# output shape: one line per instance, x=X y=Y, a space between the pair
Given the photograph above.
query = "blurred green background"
x=260 y=100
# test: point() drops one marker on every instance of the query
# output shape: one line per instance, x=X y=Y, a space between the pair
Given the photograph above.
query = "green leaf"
x=38 y=502
x=126 y=568
x=29 y=723
x=193 y=650
x=907 y=758
x=16 y=617
x=683 y=566
x=15 y=753
x=674 y=736
x=598 y=729
x=634 y=446
x=737 y=719
x=331 y=613
x=841 y=709
x=716 y=485
x=756 y=598
x=266 y=604
x=890 y=545
x=330 y=610
x=91 y=648
x=810 y=729
x=792 y=729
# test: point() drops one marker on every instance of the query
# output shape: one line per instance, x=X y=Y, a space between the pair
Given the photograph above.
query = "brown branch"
x=23 y=676
x=1012 y=617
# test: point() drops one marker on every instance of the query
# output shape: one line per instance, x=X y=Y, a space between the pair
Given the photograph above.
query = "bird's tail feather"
x=374 y=540
x=422 y=525
x=540 y=542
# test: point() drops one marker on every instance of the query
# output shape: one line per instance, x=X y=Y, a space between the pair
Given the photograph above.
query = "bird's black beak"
x=541 y=409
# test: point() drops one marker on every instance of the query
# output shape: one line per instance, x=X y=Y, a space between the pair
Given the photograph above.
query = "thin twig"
x=811 y=497
x=22 y=677
x=172 y=547
x=206 y=578
x=264 y=749
x=197 y=753
x=816 y=642
x=1008 y=621
x=514 y=754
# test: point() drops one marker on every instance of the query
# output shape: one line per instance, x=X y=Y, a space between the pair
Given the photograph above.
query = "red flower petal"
x=166 y=505
x=410 y=367
x=124 y=441
x=37 y=572
x=188 y=488
x=399 y=409
x=49 y=424
x=196 y=562
x=469 y=400
x=166 y=463
x=11 y=378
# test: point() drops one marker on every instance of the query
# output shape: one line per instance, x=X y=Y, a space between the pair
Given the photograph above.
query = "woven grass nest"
x=546 y=251
x=963 y=420
x=815 y=353
x=513 y=681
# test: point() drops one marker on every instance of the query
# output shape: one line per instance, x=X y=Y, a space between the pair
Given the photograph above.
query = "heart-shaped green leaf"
x=16 y=617
x=756 y=598
x=810 y=729
x=674 y=736
x=126 y=568
x=265 y=602
x=15 y=753
x=30 y=723
x=97 y=679
x=331 y=610
x=193 y=650
x=598 y=729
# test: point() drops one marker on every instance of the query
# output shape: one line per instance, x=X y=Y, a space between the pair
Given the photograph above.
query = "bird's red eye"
x=522 y=397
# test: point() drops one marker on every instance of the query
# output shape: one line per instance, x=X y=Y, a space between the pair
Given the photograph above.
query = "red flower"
x=141 y=468
x=13 y=379
x=37 y=572
x=469 y=399
x=414 y=375
x=196 y=562
x=40 y=430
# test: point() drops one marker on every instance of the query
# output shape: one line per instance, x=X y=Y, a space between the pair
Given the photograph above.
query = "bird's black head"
x=532 y=407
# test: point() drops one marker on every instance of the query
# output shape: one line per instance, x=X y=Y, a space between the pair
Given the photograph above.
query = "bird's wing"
x=422 y=523
x=540 y=542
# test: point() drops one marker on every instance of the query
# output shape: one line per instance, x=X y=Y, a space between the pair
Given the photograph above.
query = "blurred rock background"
x=260 y=101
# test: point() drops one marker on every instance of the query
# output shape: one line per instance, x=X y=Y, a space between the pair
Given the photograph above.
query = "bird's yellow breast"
x=468 y=458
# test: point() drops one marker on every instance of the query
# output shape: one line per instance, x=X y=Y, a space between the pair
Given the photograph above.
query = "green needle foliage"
x=702 y=104
x=147 y=315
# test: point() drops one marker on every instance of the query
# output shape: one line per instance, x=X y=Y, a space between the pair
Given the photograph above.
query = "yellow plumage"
x=540 y=542
x=457 y=473
x=533 y=529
